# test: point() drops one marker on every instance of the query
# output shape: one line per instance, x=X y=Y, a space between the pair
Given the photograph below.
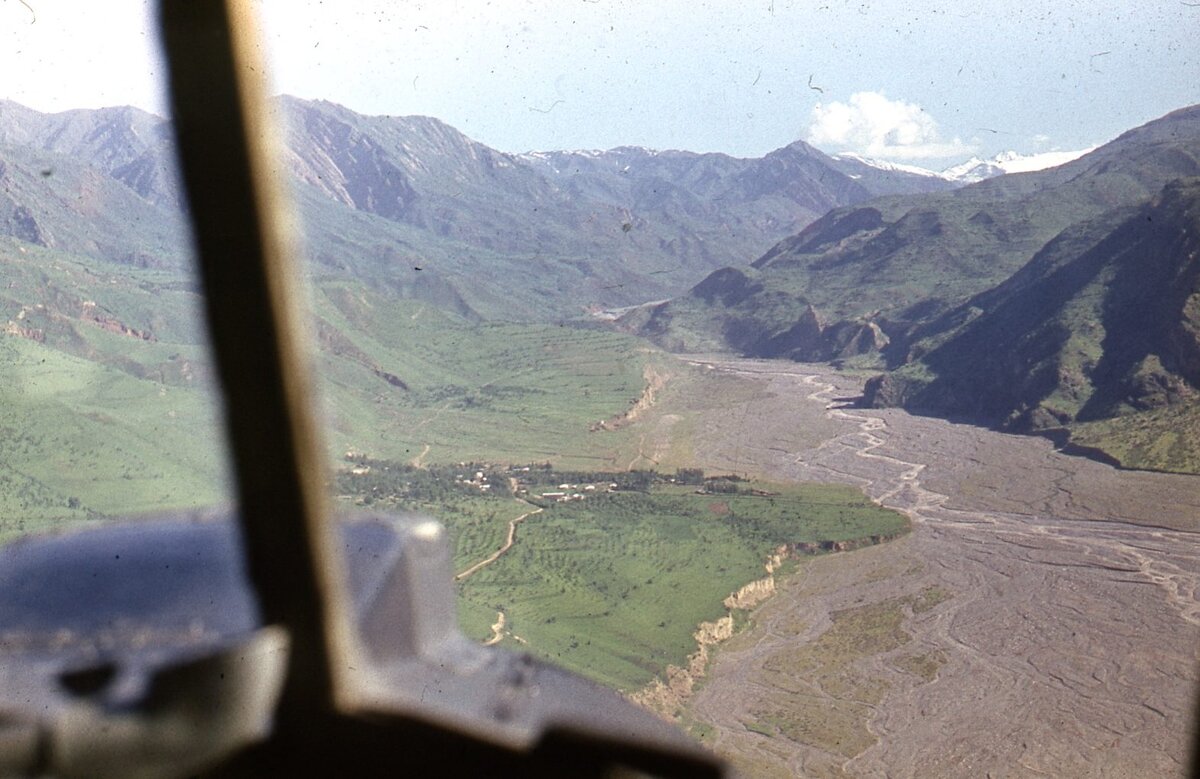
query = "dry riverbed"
x=1042 y=619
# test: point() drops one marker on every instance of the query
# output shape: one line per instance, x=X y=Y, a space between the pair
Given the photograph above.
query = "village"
x=369 y=480
x=537 y=483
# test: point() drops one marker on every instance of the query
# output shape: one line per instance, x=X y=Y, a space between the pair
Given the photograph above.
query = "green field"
x=474 y=391
x=613 y=584
x=79 y=440
x=107 y=406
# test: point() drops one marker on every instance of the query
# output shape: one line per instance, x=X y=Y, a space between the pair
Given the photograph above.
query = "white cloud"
x=875 y=126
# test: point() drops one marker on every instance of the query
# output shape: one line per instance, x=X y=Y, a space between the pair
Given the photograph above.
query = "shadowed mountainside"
x=1103 y=322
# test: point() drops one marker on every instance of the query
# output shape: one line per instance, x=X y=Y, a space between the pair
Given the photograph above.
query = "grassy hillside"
x=80 y=440
x=106 y=403
x=464 y=391
x=109 y=408
x=1158 y=439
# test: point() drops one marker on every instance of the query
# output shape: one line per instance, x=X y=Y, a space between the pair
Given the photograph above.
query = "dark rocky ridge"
x=1103 y=321
x=1030 y=302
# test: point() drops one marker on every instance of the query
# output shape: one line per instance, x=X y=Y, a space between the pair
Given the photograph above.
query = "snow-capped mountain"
x=894 y=167
x=974 y=169
x=889 y=178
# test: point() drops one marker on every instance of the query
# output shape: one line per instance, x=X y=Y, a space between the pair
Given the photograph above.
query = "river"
x=1064 y=640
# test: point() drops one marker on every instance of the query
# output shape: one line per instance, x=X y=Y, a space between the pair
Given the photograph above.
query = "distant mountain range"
x=413 y=206
x=1030 y=301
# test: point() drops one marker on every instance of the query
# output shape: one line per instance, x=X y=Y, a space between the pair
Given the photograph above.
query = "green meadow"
x=490 y=391
x=83 y=441
x=614 y=586
x=108 y=407
x=614 y=583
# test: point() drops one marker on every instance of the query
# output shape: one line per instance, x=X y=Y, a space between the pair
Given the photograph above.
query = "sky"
x=913 y=81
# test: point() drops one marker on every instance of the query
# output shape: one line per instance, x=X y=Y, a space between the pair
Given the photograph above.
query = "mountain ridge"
x=1133 y=292
x=385 y=198
x=901 y=260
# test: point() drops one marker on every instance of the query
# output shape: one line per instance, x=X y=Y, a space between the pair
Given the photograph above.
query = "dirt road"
x=1064 y=639
x=508 y=542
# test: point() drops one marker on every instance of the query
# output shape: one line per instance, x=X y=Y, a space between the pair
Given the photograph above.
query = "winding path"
x=512 y=538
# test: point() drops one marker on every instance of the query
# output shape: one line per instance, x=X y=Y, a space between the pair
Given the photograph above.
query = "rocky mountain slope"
x=900 y=261
x=1104 y=321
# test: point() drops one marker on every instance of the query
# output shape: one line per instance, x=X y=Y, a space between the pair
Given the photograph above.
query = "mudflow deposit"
x=1042 y=618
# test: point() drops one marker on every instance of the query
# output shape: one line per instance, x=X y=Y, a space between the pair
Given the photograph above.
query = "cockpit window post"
x=489 y=711
x=251 y=273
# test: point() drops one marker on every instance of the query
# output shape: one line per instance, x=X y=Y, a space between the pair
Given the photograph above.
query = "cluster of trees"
x=398 y=482
x=637 y=480
x=722 y=486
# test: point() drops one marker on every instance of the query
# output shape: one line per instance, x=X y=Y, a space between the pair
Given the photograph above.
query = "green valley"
x=808 y=388
x=110 y=412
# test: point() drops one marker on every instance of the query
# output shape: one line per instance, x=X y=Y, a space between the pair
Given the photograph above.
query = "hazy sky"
x=924 y=82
